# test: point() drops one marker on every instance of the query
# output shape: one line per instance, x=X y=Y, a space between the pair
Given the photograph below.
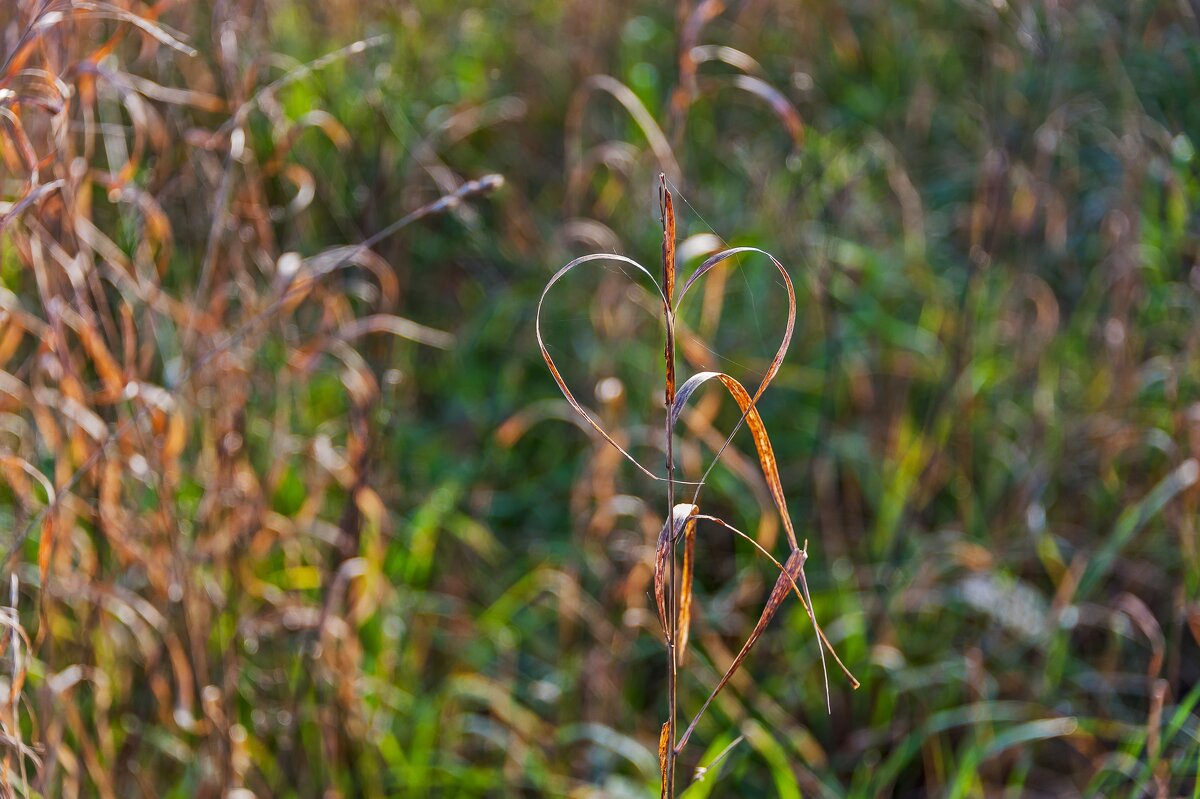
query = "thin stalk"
x=668 y=259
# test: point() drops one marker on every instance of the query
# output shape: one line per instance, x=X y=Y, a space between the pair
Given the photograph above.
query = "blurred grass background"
x=392 y=569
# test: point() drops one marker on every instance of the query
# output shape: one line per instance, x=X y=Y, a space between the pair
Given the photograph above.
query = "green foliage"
x=986 y=425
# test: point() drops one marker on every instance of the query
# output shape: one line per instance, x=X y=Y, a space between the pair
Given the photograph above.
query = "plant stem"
x=672 y=598
x=668 y=219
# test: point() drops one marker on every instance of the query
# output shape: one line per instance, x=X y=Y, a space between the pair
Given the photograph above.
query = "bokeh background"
x=289 y=519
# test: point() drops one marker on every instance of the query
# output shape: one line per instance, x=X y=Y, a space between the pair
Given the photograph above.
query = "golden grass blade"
x=681 y=517
x=637 y=111
x=326 y=262
x=9 y=462
x=397 y=326
x=789 y=328
x=705 y=12
x=737 y=59
x=759 y=88
x=21 y=145
x=49 y=521
x=558 y=378
x=801 y=591
x=812 y=616
x=776 y=361
x=691 y=23
x=322 y=264
x=662 y=552
x=515 y=426
x=762 y=442
x=664 y=742
x=7 y=214
x=46 y=546
x=19 y=56
x=685 y=585
x=791 y=570
x=668 y=215
x=102 y=359
x=202 y=101
x=157 y=31
x=306 y=187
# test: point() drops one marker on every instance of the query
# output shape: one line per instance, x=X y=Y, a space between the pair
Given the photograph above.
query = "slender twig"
x=668 y=260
